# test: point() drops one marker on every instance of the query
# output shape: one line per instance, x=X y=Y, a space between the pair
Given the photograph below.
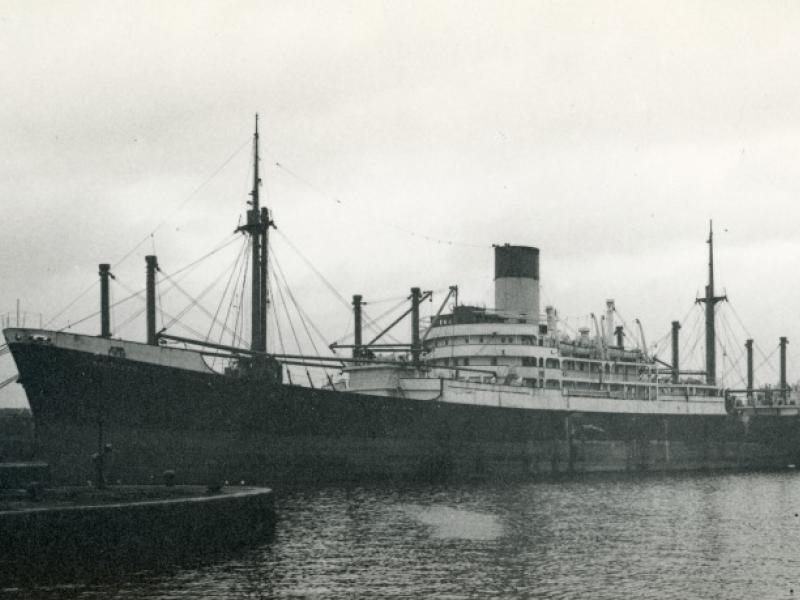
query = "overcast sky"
x=411 y=136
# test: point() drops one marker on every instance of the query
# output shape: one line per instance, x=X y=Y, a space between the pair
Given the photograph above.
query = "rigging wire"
x=131 y=318
x=274 y=314
x=235 y=275
x=749 y=335
x=699 y=339
x=227 y=241
x=134 y=294
x=112 y=313
x=740 y=350
x=401 y=298
x=183 y=203
x=692 y=336
x=368 y=321
x=96 y=313
x=303 y=315
x=655 y=347
x=243 y=264
x=694 y=346
x=152 y=232
x=288 y=317
x=372 y=218
x=727 y=343
x=239 y=323
x=71 y=304
x=233 y=271
x=766 y=360
x=374 y=324
x=662 y=340
x=158 y=282
x=194 y=301
x=689 y=327
x=183 y=269
x=310 y=265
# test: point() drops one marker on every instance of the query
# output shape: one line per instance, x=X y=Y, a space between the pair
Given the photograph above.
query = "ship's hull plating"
x=207 y=426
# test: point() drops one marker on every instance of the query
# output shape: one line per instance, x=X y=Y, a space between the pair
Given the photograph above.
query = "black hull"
x=207 y=426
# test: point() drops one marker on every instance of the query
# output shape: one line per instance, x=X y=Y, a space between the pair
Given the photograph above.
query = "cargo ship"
x=506 y=392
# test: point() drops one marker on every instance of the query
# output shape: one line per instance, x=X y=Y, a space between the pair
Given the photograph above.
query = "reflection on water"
x=447 y=522
x=680 y=536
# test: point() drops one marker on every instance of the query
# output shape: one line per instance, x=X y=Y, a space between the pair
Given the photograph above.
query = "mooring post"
x=105 y=312
x=152 y=265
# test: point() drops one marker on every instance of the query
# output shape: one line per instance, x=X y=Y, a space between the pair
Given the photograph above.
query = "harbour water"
x=657 y=536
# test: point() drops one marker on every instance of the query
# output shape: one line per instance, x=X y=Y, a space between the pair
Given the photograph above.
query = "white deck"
x=165 y=356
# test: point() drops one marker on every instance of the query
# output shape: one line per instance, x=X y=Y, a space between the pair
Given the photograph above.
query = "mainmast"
x=710 y=301
x=258 y=224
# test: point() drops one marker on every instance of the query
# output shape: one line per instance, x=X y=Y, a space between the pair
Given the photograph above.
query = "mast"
x=710 y=301
x=254 y=219
x=264 y=277
x=258 y=223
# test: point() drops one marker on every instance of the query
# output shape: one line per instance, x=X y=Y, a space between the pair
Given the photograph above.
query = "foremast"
x=710 y=300
x=258 y=223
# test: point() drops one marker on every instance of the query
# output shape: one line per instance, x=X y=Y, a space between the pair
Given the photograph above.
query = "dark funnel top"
x=516 y=261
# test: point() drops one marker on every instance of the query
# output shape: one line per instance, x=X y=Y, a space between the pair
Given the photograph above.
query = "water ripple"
x=682 y=536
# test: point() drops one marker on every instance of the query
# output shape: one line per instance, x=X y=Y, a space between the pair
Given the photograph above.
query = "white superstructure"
x=512 y=356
